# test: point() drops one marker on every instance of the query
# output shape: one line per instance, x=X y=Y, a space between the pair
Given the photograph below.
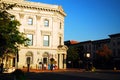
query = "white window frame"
x=46 y=40
x=30 y=37
x=30 y=21
x=46 y=23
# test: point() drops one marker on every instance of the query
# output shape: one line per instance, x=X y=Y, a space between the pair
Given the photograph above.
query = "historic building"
x=113 y=43
x=115 y=47
x=43 y=24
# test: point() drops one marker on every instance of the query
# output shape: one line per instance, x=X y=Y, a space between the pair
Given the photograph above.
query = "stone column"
x=64 y=61
x=58 y=61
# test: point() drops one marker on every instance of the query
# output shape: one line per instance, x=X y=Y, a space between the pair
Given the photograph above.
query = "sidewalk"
x=101 y=70
x=70 y=69
x=63 y=70
x=56 y=70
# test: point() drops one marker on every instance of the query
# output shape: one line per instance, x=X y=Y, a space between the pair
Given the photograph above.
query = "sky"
x=89 y=19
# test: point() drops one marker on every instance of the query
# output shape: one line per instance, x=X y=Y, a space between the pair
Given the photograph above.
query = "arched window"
x=28 y=60
x=45 y=58
x=29 y=57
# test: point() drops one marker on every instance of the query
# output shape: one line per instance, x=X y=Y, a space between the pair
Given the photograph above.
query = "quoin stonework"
x=43 y=24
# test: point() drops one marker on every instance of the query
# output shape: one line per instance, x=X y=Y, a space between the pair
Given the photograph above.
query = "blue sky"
x=89 y=19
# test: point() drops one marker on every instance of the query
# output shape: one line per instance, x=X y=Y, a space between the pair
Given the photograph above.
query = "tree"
x=10 y=37
x=72 y=55
x=104 y=52
x=103 y=55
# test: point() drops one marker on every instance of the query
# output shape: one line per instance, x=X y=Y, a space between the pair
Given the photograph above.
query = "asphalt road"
x=73 y=76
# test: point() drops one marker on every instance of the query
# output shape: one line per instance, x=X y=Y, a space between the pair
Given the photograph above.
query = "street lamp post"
x=87 y=58
x=69 y=62
x=28 y=64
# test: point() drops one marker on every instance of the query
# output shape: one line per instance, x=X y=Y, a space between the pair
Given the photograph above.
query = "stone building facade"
x=43 y=24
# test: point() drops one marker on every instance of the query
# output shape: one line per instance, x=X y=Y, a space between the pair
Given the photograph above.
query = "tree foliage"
x=72 y=54
x=104 y=51
x=10 y=37
x=103 y=57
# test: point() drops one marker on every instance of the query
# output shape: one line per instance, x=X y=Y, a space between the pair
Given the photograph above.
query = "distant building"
x=115 y=46
x=70 y=42
x=43 y=24
x=113 y=43
x=98 y=44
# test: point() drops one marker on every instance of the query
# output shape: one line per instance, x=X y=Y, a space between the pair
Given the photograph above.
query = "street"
x=73 y=75
x=67 y=75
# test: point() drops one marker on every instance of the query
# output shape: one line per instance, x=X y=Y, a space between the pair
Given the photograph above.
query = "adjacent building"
x=115 y=47
x=43 y=24
x=113 y=43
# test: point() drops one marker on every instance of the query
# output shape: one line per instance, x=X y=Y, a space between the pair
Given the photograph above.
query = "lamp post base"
x=28 y=67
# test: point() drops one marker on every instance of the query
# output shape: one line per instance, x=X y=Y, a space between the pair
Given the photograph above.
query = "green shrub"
x=93 y=69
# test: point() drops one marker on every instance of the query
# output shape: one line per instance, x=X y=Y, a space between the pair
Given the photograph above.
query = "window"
x=60 y=40
x=113 y=44
x=30 y=21
x=12 y=18
x=29 y=58
x=30 y=37
x=46 y=40
x=118 y=53
x=44 y=60
x=118 y=43
x=46 y=23
x=89 y=47
x=114 y=52
x=60 y=25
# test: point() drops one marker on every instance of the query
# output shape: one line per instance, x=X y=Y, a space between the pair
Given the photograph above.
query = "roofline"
x=37 y=6
x=114 y=35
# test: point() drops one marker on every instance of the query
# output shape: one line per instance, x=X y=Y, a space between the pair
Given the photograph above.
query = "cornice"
x=37 y=48
x=36 y=6
x=62 y=48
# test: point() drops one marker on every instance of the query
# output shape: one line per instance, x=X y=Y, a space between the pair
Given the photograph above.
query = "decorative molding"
x=46 y=32
x=45 y=54
x=29 y=31
x=60 y=34
x=38 y=52
x=38 y=17
x=13 y=0
x=62 y=48
x=29 y=53
x=55 y=19
x=21 y=15
x=36 y=6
